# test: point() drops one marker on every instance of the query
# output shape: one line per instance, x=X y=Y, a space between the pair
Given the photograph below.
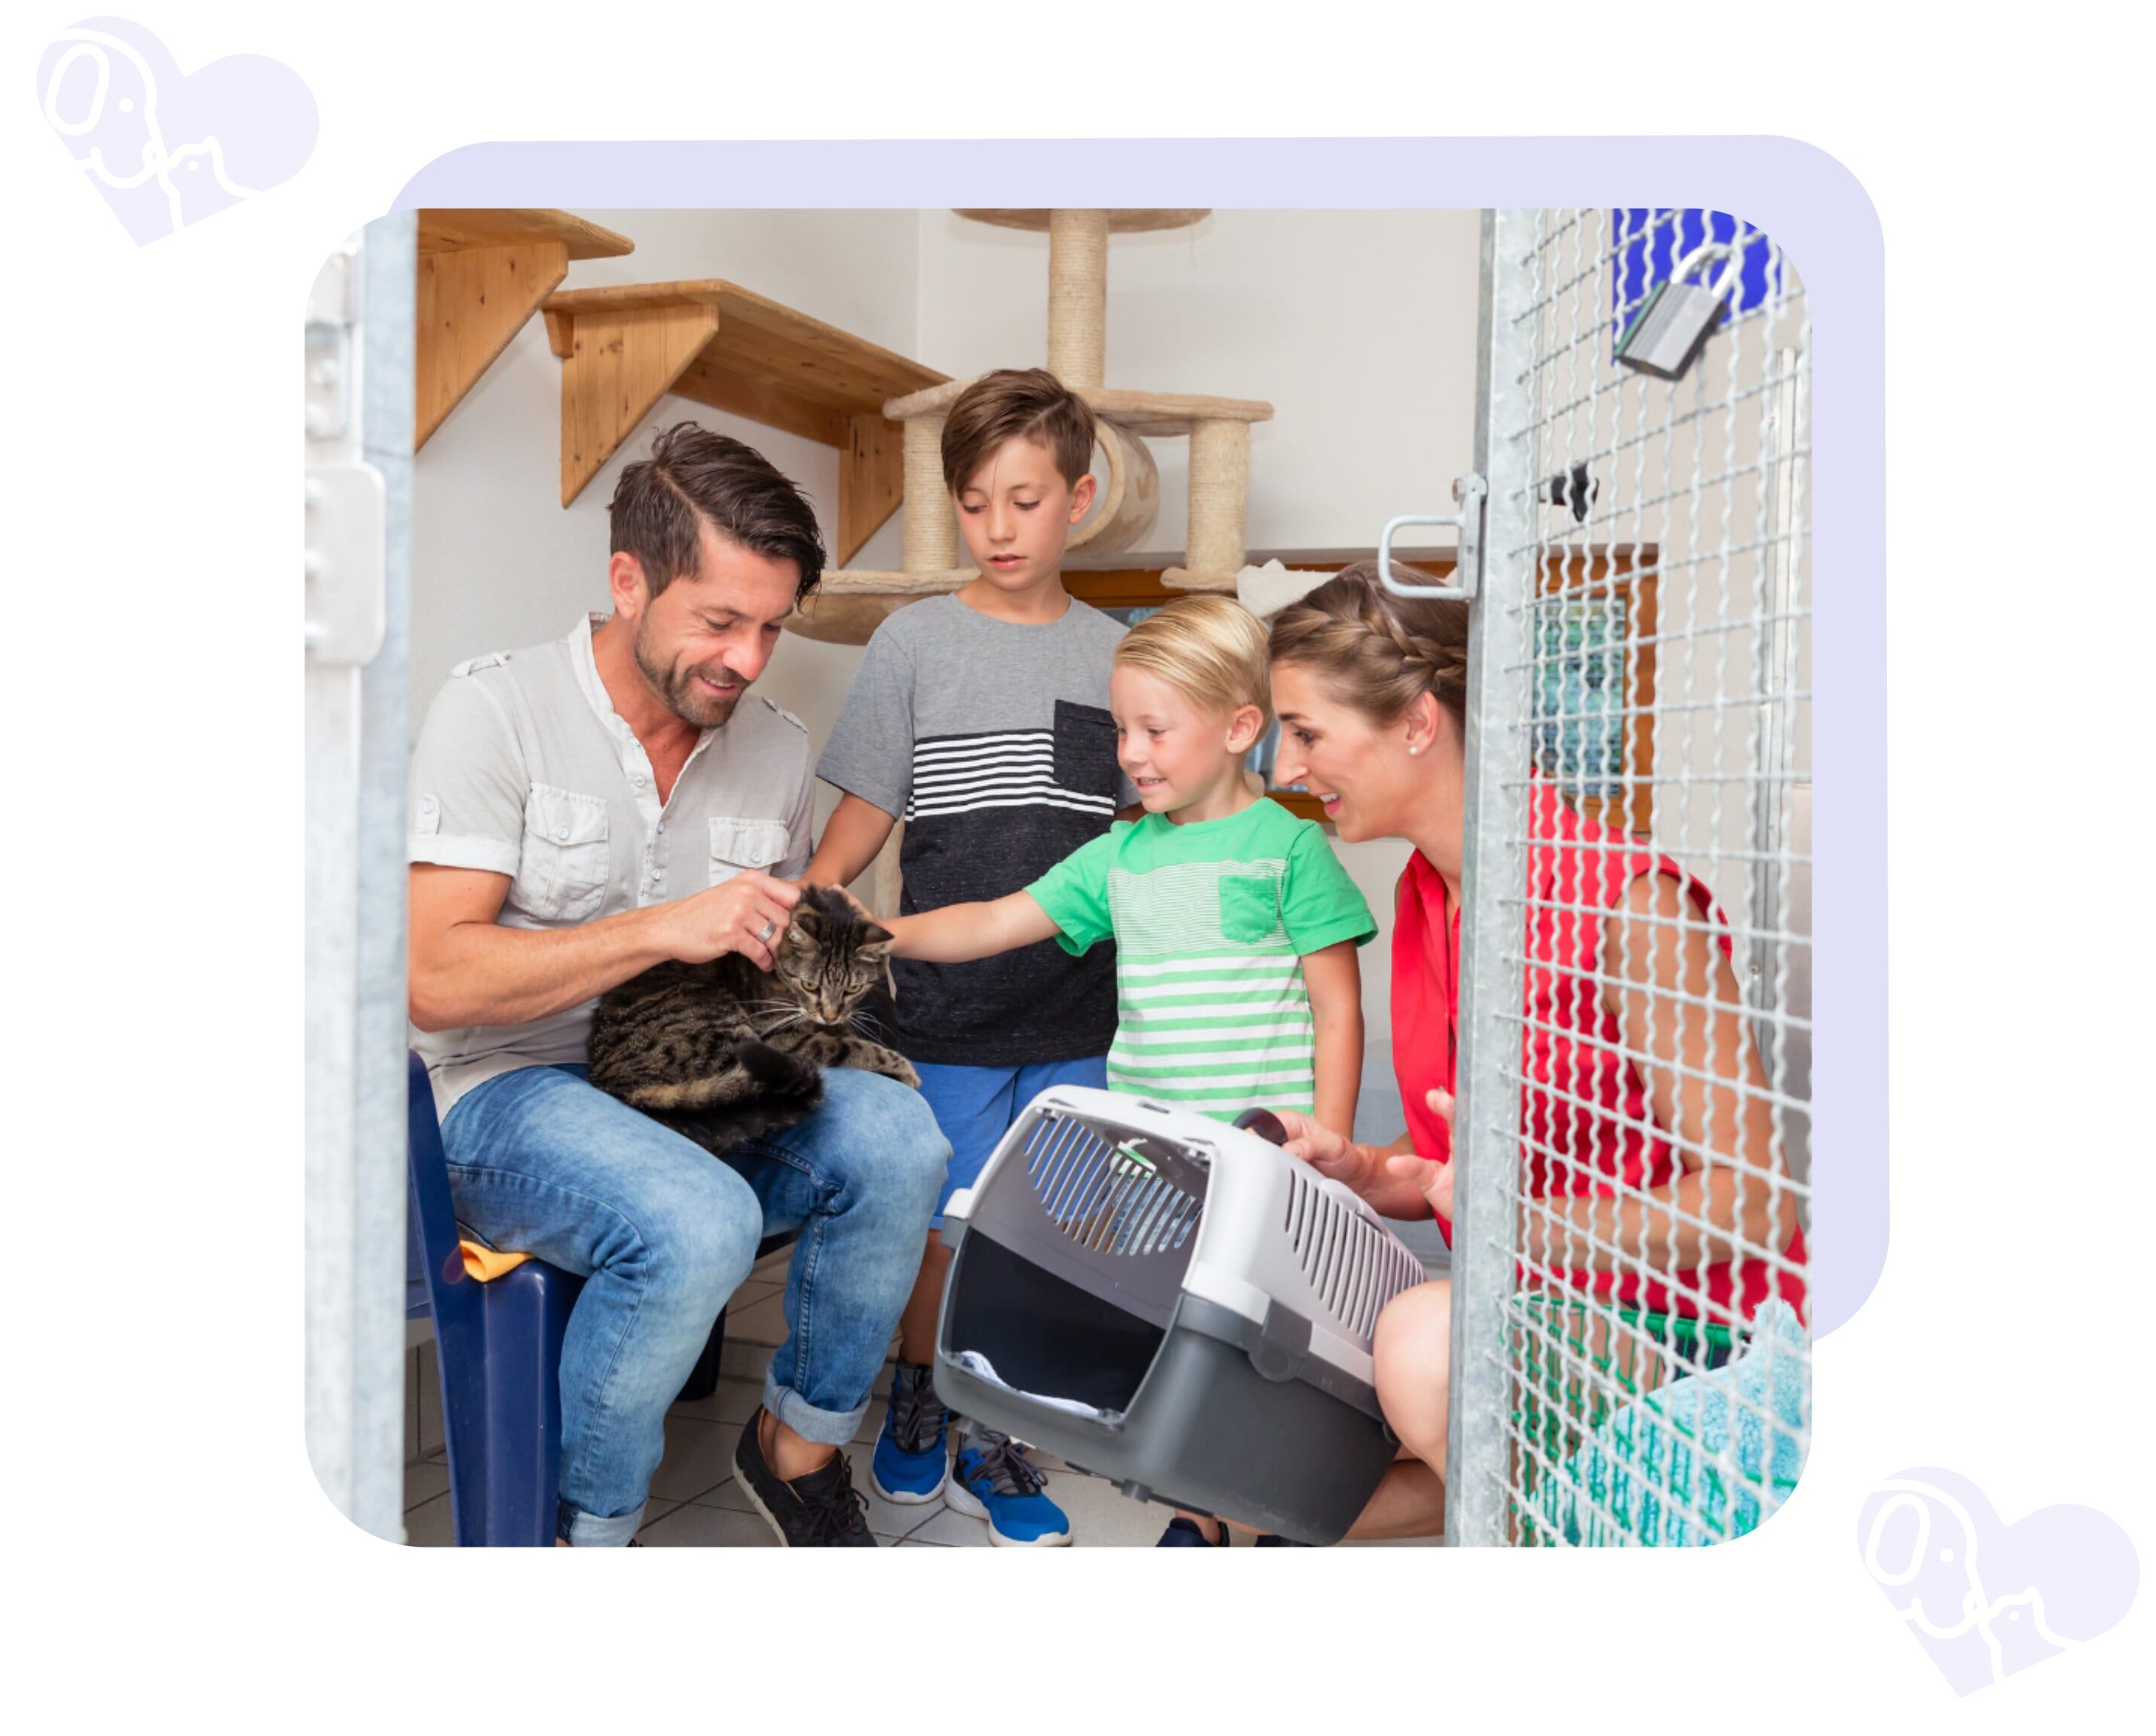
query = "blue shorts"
x=975 y=1106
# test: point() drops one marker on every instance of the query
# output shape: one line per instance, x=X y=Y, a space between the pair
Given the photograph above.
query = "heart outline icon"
x=1985 y=1598
x=164 y=149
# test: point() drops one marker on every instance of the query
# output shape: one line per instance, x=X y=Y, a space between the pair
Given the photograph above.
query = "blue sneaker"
x=911 y=1463
x=995 y=1482
x=1182 y=1533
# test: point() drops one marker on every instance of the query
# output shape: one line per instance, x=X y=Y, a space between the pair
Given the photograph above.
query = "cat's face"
x=831 y=956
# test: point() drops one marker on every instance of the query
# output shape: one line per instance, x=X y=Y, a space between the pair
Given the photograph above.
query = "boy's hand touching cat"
x=860 y=910
x=746 y=915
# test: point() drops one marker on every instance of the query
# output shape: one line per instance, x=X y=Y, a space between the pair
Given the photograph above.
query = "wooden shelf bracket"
x=481 y=275
x=713 y=343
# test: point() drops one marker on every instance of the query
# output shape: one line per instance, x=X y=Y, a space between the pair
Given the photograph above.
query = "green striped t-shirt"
x=1211 y=921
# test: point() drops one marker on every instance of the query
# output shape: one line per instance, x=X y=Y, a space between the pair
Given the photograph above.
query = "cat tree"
x=853 y=602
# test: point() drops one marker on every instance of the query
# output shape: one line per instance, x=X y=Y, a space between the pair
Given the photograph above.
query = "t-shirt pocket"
x=1250 y=908
x=1085 y=750
x=739 y=844
x=563 y=862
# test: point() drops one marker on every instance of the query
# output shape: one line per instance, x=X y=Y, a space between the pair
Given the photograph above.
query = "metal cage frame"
x=1544 y=1398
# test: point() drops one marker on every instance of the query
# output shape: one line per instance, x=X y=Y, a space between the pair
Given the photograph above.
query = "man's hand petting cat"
x=746 y=915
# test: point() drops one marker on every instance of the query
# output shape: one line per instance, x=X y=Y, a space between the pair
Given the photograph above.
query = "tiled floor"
x=695 y=1502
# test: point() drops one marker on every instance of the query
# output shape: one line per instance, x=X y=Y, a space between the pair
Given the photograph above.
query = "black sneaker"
x=822 y=1510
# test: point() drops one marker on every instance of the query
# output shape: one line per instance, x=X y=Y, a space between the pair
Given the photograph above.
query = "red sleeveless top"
x=1571 y=1045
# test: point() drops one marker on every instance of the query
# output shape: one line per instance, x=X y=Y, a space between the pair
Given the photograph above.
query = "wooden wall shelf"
x=481 y=275
x=1166 y=413
x=719 y=344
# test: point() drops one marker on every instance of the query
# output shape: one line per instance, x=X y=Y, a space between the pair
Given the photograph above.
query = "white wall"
x=1357 y=326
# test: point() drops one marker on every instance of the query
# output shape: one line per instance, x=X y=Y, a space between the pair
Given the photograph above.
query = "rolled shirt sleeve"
x=468 y=783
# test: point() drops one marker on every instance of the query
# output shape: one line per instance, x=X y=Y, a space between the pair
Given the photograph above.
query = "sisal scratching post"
x=1219 y=487
x=1078 y=297
x=930 y=533
x=883 y=882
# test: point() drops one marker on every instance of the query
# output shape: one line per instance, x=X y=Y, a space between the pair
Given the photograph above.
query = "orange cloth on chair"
x=486 y=1264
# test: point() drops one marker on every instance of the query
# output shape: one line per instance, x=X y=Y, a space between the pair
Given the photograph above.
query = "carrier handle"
x=1265 y=1124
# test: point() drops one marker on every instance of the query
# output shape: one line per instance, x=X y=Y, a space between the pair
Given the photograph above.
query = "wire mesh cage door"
x=1630 y=1354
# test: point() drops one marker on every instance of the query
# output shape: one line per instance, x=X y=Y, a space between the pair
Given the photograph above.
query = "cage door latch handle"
x=1470 y=490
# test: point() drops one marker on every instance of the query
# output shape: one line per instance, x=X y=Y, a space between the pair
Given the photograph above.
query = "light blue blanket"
x=1705 y=1458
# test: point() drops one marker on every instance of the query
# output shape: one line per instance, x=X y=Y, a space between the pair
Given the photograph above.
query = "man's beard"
x=679 y=688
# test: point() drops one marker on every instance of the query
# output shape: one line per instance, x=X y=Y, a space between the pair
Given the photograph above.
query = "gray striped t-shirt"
x=993 y=741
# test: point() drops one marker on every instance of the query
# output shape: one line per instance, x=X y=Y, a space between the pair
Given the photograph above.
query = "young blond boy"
x=1236 y=927
x=981 y=718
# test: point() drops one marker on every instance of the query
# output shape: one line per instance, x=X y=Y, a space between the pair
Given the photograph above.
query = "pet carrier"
x=1176 y=1305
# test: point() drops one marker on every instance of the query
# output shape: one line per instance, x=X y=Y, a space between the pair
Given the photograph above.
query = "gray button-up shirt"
x=524 y=768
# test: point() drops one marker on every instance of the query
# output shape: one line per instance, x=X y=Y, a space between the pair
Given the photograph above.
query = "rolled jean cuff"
x=826 y=1428
x=587 y=1531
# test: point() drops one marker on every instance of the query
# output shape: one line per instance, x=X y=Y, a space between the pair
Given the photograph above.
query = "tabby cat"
x=725 y=1052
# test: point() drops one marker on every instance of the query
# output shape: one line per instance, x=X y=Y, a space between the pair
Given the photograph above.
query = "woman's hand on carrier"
x=1329 y=1153
x=1433 y=1180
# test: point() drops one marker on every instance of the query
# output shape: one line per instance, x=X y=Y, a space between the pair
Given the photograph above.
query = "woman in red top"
x=1626 y=1108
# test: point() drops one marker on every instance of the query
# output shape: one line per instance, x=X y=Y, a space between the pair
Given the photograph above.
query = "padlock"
x=1675 y=322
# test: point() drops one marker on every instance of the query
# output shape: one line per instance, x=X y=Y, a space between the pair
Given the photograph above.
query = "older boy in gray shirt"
x=981 y=719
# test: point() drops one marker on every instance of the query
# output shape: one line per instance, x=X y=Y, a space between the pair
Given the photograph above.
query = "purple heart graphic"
x=1984 y=1598
x=164 y=149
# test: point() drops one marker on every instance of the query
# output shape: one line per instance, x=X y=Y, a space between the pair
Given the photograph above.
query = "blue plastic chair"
x=498 y=1347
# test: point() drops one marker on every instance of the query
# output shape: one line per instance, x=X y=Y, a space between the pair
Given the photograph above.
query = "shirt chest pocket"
x=1250 y=908
x=1085 y=750
x=561 y=870
x=742 y=843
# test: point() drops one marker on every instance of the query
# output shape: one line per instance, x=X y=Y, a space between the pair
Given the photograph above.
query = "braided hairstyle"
x=1378 y=652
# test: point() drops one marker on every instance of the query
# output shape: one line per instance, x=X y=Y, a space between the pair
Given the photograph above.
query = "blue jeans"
x=976 y=1105
x=545 y=1164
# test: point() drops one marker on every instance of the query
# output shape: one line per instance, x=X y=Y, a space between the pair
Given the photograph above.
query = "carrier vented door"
x=1074 y=1255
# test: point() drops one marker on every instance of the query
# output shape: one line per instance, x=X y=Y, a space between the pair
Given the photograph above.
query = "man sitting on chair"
x=583 y=810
